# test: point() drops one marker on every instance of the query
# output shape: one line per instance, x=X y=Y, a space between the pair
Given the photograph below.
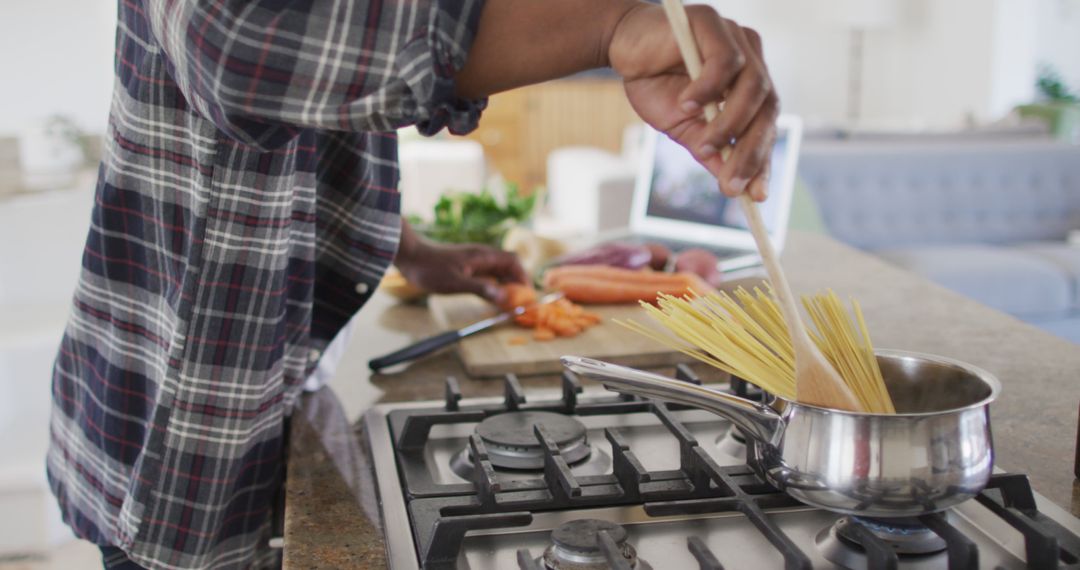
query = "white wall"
x=939 y=64
x=35 y=298
x=928 y=70
x=1059 y=38
x=1016 y=44
x=1028 y=35
x=56 y=58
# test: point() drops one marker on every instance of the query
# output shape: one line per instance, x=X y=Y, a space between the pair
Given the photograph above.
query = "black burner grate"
x=442 y=514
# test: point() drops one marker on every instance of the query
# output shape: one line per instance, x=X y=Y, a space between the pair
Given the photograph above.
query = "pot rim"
x=980 y=373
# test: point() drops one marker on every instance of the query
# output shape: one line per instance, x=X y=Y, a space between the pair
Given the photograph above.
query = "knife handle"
x=415 y=350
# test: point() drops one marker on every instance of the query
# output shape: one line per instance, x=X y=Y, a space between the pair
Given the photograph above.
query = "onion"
x=701 y=263
x=615 y=254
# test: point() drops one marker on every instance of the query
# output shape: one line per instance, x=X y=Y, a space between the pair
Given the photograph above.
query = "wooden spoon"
x=816 y=381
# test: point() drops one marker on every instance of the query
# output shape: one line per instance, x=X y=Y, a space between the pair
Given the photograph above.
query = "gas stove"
x=590 y=480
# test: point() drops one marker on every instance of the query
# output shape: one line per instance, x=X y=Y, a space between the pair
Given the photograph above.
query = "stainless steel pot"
x=935 y=452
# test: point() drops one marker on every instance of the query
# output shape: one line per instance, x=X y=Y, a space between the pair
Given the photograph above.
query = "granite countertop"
x=332 y=517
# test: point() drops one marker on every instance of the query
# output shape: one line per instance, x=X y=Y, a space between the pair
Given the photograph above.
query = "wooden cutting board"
x=489 y=353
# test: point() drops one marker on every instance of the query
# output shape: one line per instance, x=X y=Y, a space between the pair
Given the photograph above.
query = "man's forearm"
x=521 y=42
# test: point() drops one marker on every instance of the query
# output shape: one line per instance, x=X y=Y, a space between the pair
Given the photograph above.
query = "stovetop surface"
x=642 y=429
x=668 y=475
x=662 y=541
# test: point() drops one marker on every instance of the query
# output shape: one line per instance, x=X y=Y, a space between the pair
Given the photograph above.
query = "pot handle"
x=756 y=420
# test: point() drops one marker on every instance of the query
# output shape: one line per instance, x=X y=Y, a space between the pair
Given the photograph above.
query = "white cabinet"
x=41 y=244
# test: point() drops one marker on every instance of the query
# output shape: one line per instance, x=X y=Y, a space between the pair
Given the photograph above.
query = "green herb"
x=1052 y=86
x=465 y=217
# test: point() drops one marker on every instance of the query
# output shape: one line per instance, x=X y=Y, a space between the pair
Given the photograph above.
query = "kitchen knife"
x=435 y=342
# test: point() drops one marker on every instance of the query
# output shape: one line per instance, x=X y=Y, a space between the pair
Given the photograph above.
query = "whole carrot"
x=554 y=276
x=592 y=290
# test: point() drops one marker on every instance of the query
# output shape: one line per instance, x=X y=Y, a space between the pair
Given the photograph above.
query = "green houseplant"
x=1057 y=106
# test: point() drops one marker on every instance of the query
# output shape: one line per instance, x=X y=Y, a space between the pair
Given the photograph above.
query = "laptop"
x=678 y=204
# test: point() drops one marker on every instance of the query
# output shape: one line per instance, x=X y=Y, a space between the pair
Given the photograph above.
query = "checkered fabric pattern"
x=246 y=207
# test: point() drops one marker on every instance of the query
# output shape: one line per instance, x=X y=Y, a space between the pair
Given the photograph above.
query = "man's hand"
x=643 y=50
x=446 y=268
x=520 y=42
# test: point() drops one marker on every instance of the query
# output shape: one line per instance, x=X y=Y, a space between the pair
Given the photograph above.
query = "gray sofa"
x=988 y=218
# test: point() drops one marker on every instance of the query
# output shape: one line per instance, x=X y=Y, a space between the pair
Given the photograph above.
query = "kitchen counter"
x=332 y=517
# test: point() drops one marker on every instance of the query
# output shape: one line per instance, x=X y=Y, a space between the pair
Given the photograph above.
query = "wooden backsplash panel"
x=521 y=127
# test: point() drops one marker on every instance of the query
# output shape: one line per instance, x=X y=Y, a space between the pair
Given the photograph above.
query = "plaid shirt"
x=246 y=207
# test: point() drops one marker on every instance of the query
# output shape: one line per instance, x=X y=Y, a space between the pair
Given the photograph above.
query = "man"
x=246 y=207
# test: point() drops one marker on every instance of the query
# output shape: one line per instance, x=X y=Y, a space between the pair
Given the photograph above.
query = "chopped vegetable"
x=518 y=340
x=555 y=319
x=517 y=295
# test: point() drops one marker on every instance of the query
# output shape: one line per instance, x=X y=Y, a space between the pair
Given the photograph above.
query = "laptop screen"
x=682 y=190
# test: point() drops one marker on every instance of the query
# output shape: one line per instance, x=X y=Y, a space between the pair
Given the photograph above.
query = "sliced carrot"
x=543 y=318
x=517 y=295
x=529 y=318
x=517 y=340
x=583 y=322
x=560 y=318
x=564 y=326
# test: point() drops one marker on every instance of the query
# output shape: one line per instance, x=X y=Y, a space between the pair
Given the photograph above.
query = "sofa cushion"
x=1012 y=280
x=1067 y=328
x=1065 y=256
x=881 y=194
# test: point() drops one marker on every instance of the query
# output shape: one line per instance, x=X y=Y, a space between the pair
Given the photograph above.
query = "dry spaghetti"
x=746 y=335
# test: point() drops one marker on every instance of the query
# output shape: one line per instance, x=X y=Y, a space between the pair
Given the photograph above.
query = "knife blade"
x=435 y=342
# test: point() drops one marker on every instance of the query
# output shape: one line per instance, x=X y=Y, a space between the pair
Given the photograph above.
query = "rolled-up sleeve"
x=260 y=70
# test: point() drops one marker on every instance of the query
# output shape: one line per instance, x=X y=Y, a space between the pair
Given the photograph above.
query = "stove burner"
x=576 y=546
x=512 y=444
x=842 y=545
x=906 y=536
x=732 y=444
x=508 y=449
